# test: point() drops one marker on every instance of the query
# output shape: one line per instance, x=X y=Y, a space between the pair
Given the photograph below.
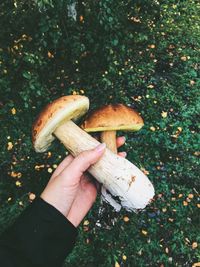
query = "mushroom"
x=111 y=118
x=117 y=174
x=107 y=120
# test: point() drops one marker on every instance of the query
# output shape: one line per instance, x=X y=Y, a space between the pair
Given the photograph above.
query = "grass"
x=143 y=54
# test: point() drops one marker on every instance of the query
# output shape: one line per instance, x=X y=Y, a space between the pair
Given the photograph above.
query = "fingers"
x=83 y=161
x=68 y=160
x=88 y=178
x=62 y=165
x=82 y=203
x=120 y=141
x=84 y=200
x=122 y=154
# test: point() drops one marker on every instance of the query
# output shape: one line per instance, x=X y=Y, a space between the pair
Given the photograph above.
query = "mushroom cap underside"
x=63 y=109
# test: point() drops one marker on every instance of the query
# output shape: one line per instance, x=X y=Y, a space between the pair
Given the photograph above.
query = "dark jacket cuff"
x=41 y=236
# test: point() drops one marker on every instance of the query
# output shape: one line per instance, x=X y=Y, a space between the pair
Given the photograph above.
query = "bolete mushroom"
x=117 y=174
x=108 y=120
x=111 y=118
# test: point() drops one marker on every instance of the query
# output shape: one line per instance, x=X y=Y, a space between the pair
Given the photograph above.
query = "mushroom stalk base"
x=109 y=138
x=117 y=174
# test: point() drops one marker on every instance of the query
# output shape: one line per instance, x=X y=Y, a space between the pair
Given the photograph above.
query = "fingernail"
x=100 y=147
x=124 y=154
x=124 y=138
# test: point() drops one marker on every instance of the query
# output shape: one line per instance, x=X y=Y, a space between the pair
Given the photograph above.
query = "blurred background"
x=141 y=53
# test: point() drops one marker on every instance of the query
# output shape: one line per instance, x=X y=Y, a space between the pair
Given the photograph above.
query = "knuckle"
x=82 y=158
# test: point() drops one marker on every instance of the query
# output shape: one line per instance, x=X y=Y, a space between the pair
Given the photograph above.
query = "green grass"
x=141 y=53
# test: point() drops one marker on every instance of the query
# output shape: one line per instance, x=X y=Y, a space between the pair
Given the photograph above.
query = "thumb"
x=83 y=161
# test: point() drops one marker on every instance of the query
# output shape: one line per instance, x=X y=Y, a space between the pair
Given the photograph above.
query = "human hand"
x=70 y=190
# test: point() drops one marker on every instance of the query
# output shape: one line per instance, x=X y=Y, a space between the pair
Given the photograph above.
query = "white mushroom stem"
x=74 y=138
x=117 y=174
x=109 y=137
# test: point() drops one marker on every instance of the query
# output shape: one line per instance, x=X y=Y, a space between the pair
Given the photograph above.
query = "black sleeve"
x=40 y=237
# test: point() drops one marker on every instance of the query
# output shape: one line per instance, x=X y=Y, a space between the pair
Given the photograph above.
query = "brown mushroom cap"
x=54 y=114
x=112 y=118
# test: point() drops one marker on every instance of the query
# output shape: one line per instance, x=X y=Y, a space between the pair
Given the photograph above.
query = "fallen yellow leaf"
x=126 y=219
x=164 y=114
x=32 y=196
x=194 y=245
x=144 y=232
x=124 y=257
x=10 y=146
x=183 y=58
x=86 y=222
x=190 y=196
x=152 y=128
x=13 y=111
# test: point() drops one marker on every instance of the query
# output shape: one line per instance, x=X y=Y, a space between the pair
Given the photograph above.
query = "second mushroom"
x=108 y=120
x=112 y=118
